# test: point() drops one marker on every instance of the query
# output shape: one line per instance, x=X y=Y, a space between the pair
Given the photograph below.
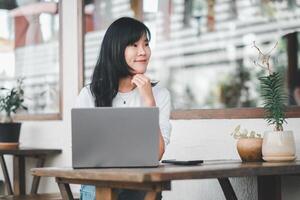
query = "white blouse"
x=85 y=99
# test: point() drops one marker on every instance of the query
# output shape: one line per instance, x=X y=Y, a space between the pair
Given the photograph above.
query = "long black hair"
x=111 y=65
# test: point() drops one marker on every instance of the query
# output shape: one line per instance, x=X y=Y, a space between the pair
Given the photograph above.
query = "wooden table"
x=154 y=180
x=19 y=178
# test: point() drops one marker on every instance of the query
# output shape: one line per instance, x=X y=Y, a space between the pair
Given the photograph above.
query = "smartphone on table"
x=183 y=162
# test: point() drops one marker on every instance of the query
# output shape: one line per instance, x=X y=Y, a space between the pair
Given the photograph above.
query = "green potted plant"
x=278 y=144
x=11 y=100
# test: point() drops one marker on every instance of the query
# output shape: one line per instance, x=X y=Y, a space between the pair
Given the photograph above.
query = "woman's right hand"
x=144 y=86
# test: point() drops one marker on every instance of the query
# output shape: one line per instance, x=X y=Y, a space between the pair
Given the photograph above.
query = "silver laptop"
x=115 y=137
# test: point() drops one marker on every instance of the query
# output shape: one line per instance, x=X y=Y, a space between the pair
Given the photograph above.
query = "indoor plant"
x=11 y=100
x=278 y=145
x=249 y=144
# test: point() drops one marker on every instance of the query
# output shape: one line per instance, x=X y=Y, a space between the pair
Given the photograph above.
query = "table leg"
x=105 y=194
x=19 y=175
x=6 y=176
x=36 y=179
x=269 y=187
x=227 y=189
x=65 y=191
x=150 y=195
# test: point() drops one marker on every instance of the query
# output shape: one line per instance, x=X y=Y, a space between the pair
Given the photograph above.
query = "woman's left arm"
x=144 y=86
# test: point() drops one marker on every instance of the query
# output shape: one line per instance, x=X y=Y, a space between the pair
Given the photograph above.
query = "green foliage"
x=234 y=91
x=11 y=100
x=274 y=98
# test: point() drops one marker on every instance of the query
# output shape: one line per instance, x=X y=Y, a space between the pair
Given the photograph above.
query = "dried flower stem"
x=265 y=58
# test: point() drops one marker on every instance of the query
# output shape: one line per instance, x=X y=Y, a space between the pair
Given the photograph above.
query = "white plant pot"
x=278 y=146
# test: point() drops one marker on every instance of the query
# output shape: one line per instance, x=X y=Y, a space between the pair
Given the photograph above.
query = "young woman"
x=119 y=81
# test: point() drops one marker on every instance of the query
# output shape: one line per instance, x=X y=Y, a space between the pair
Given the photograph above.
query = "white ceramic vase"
x=278 y=146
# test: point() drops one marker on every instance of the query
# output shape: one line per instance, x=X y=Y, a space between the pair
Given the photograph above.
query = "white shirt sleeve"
x=163 y=101
x=85 y=99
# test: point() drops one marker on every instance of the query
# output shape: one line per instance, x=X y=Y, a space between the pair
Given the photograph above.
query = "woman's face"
x=137 y=55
